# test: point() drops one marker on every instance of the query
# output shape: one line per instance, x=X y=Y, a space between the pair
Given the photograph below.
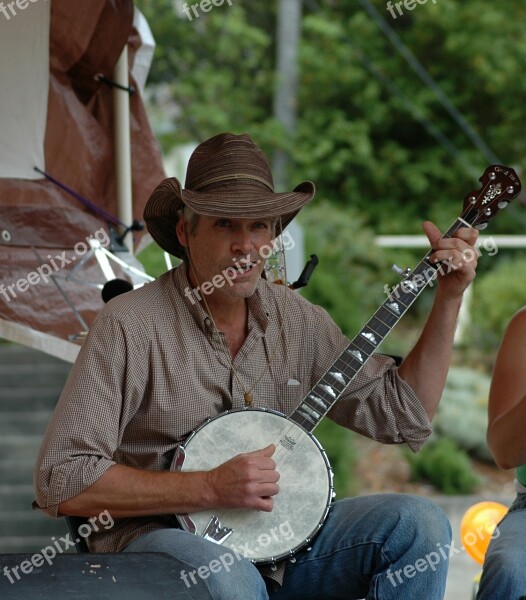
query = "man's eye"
x=223 y=223
x=261 y=225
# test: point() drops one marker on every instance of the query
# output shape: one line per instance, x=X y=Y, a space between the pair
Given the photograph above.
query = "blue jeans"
x=383 y=547
x=504 y=571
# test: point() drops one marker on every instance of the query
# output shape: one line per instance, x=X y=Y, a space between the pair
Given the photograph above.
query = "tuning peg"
x=402 y=272
x=503 y=204
x=481 y=226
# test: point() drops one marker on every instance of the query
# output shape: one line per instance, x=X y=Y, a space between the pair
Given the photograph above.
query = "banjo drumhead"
x=305 y=482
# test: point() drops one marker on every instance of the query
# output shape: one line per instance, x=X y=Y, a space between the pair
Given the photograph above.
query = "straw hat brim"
x=238 y=201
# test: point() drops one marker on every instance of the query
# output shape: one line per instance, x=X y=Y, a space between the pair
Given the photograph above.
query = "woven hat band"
x=221 y=181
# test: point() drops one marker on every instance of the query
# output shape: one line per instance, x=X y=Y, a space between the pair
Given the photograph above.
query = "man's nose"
x=243 y=242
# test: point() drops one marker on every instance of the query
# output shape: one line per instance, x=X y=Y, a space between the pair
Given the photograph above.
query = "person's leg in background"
x=504 y=570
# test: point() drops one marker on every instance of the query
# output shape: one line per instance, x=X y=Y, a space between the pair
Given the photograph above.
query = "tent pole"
x=121 y=105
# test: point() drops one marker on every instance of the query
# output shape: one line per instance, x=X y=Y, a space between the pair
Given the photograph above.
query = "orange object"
x=478 y=527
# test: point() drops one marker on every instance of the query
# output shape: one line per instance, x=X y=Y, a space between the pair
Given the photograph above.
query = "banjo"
x=306 y=480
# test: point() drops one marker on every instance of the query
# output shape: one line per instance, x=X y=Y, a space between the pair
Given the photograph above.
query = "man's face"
x=227 y=255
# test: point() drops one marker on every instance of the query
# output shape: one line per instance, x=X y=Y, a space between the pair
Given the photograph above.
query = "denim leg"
x=381 y=547
x=503 y=575
x=227 y=576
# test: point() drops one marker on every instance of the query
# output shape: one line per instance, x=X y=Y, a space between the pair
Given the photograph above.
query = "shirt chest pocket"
x=284 y=397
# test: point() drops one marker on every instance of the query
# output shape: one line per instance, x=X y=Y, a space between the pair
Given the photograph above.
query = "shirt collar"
x=189 y=299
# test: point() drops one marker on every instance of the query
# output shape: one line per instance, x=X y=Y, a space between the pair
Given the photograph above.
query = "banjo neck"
x=500 y=185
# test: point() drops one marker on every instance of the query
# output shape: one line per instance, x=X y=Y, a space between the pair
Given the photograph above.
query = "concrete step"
x=30 y=384
x=29 y=544
x=28 y=397
x=14 y=496
x=20 y=446
x=24 y=422
x=12 y=375
x=18 y=354
x=27 y=522
x=20 y=365
x=16 y=470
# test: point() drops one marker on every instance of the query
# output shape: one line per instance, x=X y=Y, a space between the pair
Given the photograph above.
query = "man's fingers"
x=463 y=239
x=467 y=234
x=432 y=232
x=269 y=450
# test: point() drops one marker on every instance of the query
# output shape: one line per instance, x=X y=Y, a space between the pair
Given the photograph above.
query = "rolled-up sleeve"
x=381 y=405
x=377 y=403
x=99 y=398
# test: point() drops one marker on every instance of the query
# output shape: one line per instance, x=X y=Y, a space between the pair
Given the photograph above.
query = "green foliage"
x=153 y=261
x=462 y=412
x=350 y=262
x=443 y=464
x=498 y=294
x=218 y=69
x=360 y=134
x=337 y=443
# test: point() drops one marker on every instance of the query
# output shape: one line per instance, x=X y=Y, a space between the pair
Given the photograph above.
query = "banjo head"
x=305 y=483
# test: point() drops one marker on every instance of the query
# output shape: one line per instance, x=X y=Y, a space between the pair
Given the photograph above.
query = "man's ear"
x=180 y=230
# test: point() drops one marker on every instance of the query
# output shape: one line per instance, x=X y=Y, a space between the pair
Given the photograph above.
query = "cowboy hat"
x=227 y=176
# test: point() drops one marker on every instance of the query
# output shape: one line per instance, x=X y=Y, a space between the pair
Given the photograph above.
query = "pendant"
x=249 y=399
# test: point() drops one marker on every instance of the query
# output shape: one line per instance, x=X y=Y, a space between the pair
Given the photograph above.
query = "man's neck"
x=231 y=318
x=228 y=314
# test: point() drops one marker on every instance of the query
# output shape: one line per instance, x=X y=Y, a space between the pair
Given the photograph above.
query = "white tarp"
x=24 y=83
x=144 y=56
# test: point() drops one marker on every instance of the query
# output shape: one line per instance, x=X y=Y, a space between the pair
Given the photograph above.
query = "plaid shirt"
x=152 y=369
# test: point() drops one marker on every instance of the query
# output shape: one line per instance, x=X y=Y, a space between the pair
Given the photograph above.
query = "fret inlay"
x=328 y=389
x=338 y=376
x=306 y=415
x=318 y=401
x=370 y=337
x=394 y=307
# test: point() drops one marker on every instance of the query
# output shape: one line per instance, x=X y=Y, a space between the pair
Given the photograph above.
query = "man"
x=205 y=338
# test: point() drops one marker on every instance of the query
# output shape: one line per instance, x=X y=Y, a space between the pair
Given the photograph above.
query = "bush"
x=348 y=282
x=153 y=261
x=497 y=295
x=337 y=443
x=443 y=464
x=462 y=412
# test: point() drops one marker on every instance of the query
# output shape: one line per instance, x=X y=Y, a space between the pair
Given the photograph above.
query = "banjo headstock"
x=499 y=186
